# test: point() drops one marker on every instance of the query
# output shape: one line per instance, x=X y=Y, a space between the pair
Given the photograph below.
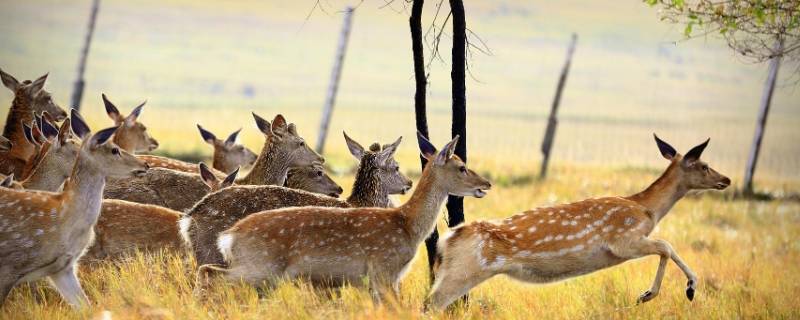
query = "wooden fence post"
x=761 y=124
x=552 y=120
x=77 y=91
x=334 y=84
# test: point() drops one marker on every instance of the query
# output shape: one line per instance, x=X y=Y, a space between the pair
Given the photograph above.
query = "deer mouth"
x=479 y=193
x=139 y=173
x=721 y=186
x=333 y=195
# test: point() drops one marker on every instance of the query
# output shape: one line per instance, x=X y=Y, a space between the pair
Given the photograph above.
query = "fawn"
x=132 y=135
x=228 y=155
x=378 y=175
x=565 y=241
x=29 y=98
x=283 y=149
x=43 y=234
x=125 y=227
x=336 y=245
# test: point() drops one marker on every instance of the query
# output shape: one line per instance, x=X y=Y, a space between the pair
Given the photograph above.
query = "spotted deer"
x=378 y=176
x=43 y=234
x=29 y=98
x=313 y=179
x=283 y=149
x=337 y=245
x=132 y=135
x=228 y=155
x=569 y=240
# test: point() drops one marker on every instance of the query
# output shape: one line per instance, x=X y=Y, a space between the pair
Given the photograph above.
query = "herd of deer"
x=71 y=196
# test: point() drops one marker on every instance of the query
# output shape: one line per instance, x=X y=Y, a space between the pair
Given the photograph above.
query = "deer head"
x=104 y=154
x=284 y=140
x=313 y=179
x=228 y=155
x=388 y=170
x=692 y=173
x=131 y=135
x=33 y=93
x=212 y=181
x=451 y=172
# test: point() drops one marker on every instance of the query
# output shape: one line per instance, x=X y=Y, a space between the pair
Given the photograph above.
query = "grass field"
x=203 y=62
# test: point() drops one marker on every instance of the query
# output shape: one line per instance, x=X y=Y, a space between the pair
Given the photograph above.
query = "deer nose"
x=339 y=190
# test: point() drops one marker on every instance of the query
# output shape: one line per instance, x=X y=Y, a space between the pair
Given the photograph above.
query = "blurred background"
x=203 y=62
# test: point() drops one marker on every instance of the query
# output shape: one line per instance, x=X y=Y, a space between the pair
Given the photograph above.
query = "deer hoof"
x=646 y=296
x=690 y=290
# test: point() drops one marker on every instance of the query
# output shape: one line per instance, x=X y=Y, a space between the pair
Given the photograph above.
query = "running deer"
x=283 y=149
x=378 y=176
x=569 y=240
x=337 y=245
x=228 y=155
x=29 y=98
x=44 y=233
x=132 y=135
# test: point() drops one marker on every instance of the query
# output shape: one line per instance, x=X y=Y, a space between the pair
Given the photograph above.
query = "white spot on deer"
x=532 y=229
x=548 y=238
x=281 y=232
x=38 y=232
x=559 y=237
x=570 y=237
x=628 y=221
x=598 y=223
x=552 y=221
x=607 y=228
x=564 y=223
x=519 y=236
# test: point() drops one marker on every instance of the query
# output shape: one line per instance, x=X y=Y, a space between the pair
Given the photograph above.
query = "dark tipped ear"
x=694 y=154
x=63 y=131
x=79 y=126
x=666 y=150
x=111 y=109
x=38 y=84
x=37 y=134
x=208 y=177
x=28 y=132
x=9 y=81
x=230 y=179
x=48 y=129
x=232 y=138
x=263 y=125
x=130 y=120
x=102 y=136
x=447 y=151
x=279 y=122
x=355 y=148
x=426 y=148
x=208 y=137
x=389 y=150
x=8 y=181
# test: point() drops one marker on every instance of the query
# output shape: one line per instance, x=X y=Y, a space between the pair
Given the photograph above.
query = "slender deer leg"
x=452 y=283
x=67 y=284
x=644 y=247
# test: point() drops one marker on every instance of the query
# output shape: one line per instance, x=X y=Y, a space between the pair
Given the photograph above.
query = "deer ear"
x=5 y=144
x=292 y=129
x=36 y=133
x=130 y=120
x=389 y=150
x=101 y=136
x=38 y=84
x=28 y=132
x=447 y=151
x=49 y=130
x=208 y=177
x=63 y=131
x=694 y=154
x=111 y=110
x=426 y=148
x=231 y=140
x=9 y=81
x=279 y=122
x=667 y=151
x=230 y=179
x=263 y=125
x=355 y=148
x=8 y=181
x=79 y=126
x=208 y=137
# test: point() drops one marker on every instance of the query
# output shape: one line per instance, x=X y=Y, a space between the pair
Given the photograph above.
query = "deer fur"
x=377 y=176
x=158 y=186
x=5 y=144
x=29 y=98
x=340 y=245
x=132 y=135
x=313 y=179
x=51 y=167
x=45 y=233
x=228 y=155
x=564 y=241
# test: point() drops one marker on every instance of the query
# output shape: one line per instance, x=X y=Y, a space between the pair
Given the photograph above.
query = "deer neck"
x=21 y=112
x=270 y=168
x=423 y=208
x=48 y=175
x=368 y=190
x=660 y=196
x=83 y=195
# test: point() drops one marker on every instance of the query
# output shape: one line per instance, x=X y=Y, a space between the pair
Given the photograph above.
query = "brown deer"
x=378 y=176
x=228 y=155
x=283 y=149
x=336 y=245
x=132 y=135
x=555 y=243
x=313 y=179
x=29 y=98
x=44 y=233
x=124 y=227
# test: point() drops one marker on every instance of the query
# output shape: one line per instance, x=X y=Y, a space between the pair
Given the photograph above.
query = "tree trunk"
x=336 y=74
x=761 y=125
x=455 y=205
x=552 y=121
x=77 y=90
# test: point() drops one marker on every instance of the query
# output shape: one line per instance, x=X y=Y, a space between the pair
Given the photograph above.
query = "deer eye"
x=301 y=143
x=463 y=169
x=115 y=151
x=705 y=168
x=319 y=173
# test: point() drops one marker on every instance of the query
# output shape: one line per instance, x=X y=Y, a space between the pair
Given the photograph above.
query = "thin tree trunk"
x=761 y=125
x=327 y=110
x=77 y=90
x=552 y=120
x=455 y=204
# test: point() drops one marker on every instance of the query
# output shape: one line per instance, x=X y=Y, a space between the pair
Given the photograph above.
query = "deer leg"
x=453 y=283
x=643 y=247
x=67 y=284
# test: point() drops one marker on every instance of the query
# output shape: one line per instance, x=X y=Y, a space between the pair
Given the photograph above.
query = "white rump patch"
x=183 y=228
x=224 y=243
